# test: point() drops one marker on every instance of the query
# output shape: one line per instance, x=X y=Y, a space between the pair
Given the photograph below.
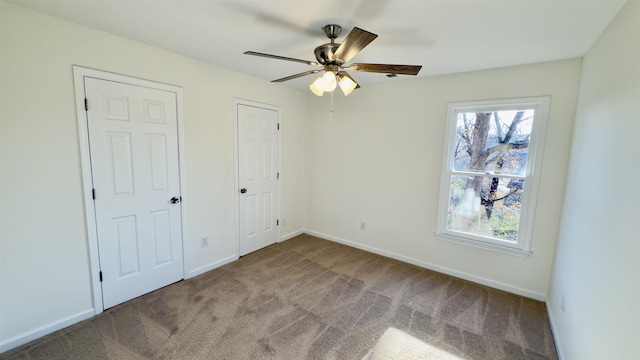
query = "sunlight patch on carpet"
x=395 y=344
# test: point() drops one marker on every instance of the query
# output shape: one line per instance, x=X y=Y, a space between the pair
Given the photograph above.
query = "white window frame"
x=522 y=246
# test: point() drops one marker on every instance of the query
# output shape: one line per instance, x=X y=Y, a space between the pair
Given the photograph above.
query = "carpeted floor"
x=308 y=298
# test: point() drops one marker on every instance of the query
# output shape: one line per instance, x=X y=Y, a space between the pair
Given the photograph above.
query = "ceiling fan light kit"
x=332 y=57
x=328 y=82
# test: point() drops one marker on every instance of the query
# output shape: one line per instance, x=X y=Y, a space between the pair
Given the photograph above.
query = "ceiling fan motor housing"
x=324 y=53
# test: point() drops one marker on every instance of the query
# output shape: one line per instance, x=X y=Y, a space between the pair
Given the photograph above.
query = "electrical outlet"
x=204 y=242
x=363 y=225
x=563 y=303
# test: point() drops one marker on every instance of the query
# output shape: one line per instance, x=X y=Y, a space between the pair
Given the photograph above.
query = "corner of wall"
x=554 y=331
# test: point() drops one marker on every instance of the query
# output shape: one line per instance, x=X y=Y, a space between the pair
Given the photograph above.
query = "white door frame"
x=236 y=102
x=79 y=73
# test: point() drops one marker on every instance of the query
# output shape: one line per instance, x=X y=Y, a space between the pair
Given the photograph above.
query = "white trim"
x=441 y=269
x=89 y=208
x=483 y=245
x=291 y=235
x=522 y=247
x=79 y=73
x=554 y=333
x=203 y=269
x=33 y=334
x=236 y=175
x=182 y=163
x=278 y=110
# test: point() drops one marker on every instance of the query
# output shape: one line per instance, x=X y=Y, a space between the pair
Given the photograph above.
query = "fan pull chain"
x=331 y=104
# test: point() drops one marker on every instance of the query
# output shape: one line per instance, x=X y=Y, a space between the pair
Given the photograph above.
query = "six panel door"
x=258 y=177
x=133 y=139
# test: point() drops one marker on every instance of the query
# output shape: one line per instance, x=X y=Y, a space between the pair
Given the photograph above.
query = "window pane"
x=485 y=206
x=495 y=141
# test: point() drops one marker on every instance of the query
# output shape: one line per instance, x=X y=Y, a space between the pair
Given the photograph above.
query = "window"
x=490 y=173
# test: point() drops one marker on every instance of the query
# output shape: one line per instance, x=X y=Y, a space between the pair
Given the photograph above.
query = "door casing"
x=236 y=102
x=79 y=73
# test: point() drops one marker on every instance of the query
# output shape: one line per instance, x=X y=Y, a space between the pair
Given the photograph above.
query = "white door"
x=257 y=177
x=134 y=163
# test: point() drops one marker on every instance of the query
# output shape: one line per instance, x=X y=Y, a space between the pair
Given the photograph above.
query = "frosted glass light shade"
x=329 y=82
x=347 y=85
x=315 y=87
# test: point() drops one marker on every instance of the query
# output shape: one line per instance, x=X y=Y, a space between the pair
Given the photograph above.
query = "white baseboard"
x=21 y=339
x=291 y=235
x=225 y=261
x=441 y=269
x=555 y=333
x=209 y=267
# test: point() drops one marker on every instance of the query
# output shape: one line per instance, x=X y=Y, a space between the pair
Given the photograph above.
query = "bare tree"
x=476 y=140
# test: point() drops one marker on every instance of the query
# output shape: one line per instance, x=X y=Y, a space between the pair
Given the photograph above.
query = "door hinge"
x=100 y=276
x=277 y=222
x=278 y=175
x=86 y=104
x=93 y=193
x=278 y=126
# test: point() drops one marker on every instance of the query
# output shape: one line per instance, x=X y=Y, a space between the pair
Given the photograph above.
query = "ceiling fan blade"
x=296 y=76
x=353 y=44
x=312 y=63
x=386 y=68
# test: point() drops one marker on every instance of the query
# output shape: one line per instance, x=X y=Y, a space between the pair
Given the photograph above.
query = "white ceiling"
x=444 y=36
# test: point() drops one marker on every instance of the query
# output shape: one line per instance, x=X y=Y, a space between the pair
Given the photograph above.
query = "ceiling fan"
x=332 y=57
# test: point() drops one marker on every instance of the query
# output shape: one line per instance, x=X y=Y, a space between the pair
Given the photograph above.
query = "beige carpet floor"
x=308 y=298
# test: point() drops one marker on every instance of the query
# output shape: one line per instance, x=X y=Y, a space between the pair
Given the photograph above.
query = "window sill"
x=483 y=245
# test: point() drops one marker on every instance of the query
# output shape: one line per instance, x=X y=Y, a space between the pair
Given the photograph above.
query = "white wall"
x=378 y=160
x=44 y=266
x=597 y=265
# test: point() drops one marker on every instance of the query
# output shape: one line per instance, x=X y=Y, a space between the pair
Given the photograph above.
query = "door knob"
x=175 y=199
x=243 y=190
